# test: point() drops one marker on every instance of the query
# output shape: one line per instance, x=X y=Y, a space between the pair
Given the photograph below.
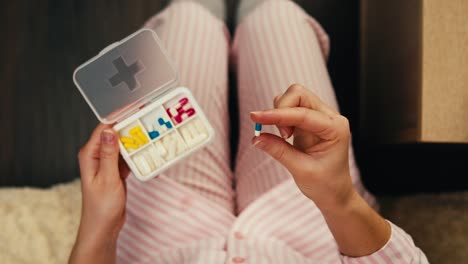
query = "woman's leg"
x=169 y=213
x=198 y=43
x=276 y=45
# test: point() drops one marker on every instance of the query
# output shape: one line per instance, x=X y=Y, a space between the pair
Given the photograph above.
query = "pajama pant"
x=273 y=48
x=270 y=52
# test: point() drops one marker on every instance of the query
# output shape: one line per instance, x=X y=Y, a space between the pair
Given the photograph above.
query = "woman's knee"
x=184 y=13
x=273 y=13
x=283 y=19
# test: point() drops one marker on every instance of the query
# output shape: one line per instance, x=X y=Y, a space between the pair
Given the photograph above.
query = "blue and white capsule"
x=258 y=129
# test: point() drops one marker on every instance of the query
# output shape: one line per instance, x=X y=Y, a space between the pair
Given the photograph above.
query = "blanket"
x=39 y=225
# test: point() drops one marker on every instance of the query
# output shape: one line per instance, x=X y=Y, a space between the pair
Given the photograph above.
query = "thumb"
x=109 y=154
x=280 y=150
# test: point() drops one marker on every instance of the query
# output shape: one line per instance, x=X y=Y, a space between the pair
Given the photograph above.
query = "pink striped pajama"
x=192 y=213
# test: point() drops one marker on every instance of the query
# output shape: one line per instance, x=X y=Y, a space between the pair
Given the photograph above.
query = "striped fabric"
x=192 y=213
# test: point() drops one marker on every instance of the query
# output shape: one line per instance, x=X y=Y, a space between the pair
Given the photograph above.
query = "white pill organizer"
x=133 y=83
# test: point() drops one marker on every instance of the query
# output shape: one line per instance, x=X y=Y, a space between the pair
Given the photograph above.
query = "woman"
x=283 y=203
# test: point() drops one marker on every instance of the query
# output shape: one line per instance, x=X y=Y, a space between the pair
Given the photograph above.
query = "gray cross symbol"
x=126 y=73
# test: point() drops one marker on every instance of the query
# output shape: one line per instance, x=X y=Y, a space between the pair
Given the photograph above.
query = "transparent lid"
x=125 y=76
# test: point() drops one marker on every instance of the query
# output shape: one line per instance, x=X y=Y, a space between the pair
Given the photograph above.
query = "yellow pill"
x=130 y=145
x=139 y=140
x=133 y=133
x=135 y=129
x=144 y=140
x=127 y=140
x=142 y=136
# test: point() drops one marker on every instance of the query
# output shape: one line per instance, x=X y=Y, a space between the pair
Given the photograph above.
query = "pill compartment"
x=133 y=137
x=132 y=84
x=193 y=132
x=180 y=109
x=157 y=123
x=171 y=146
x=147 y=160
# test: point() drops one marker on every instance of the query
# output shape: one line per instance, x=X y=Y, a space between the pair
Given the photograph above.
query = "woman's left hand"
x=103 y=175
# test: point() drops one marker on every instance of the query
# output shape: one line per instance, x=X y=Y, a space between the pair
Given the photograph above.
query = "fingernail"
x=284 y=133
x=107 y=137
x=255 y=112
x=259 y=144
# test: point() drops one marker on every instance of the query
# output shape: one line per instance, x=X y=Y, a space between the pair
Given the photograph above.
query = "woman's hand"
x=318 y=161
x=318 y=158
x=103 y=175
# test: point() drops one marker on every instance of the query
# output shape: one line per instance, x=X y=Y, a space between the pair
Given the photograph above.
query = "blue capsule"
x=258 y=129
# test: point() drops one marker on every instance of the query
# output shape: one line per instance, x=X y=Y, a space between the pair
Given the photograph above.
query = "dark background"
x=44 y=120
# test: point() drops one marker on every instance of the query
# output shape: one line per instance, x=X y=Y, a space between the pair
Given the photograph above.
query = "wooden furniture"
x=414 y=71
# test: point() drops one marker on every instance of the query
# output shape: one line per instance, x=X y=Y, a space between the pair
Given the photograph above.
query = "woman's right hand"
x=318 y=157
x=318 y=162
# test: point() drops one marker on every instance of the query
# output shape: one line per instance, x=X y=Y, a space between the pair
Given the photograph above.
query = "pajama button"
x=238 y=259
x=238 y=235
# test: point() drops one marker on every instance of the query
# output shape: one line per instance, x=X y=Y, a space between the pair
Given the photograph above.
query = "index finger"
x=316 y=122
x=298 y=96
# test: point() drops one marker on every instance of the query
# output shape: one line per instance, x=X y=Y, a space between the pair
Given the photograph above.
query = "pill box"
x=132 y=83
